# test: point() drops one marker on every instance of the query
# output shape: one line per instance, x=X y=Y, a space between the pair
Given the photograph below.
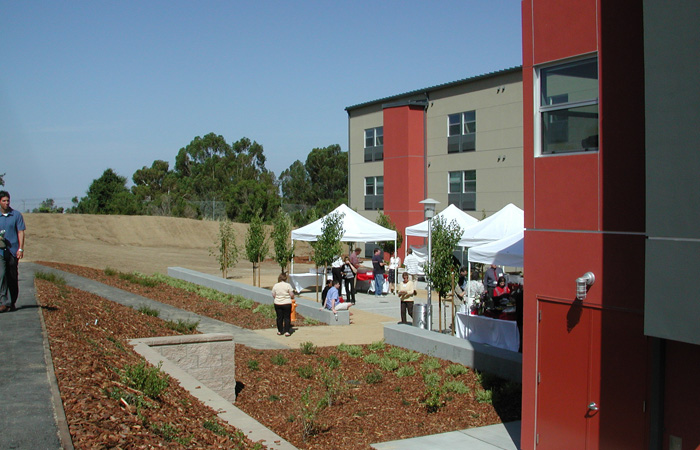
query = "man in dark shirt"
x=378 y=271
x=491 y=276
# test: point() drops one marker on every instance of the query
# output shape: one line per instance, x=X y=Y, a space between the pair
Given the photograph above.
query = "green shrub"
x=405 y=371
x=182 y=326
x=483 y=396
x=374 y=377
x=149 y=380
x=266 y=310
x=306 y=372
x=50 y=277
x=311 y=322
x=166 y=431
x=456 y=369
x=253 y=364
x=354 y=351
x=334 y=384
x=311 y=407
x=307 y=348
x=139 y=279
x=388 y=364
x=372 y=358
x=110 y=272
x=430 y=364
x=375 y=346
x=214 y=426
x=147 y=310
x=279 y=359
x=455 y=386
x=332 y=361
x=403 y=355
x=136 y=400
x=433 y=398
x=431 y=379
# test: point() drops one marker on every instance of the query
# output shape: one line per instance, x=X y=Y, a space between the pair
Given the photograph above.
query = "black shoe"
x=13 y=308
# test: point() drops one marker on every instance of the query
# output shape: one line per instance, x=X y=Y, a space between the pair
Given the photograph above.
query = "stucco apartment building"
x=459 y=143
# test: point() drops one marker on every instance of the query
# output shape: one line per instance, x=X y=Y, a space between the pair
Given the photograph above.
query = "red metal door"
x=563 y=364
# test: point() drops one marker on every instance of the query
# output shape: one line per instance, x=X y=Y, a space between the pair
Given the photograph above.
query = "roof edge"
x=394 y=99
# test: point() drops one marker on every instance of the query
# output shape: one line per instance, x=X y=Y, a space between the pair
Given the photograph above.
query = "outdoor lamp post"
x=429 y=208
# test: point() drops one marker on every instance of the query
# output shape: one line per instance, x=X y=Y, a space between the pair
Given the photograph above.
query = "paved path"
x=28 y=390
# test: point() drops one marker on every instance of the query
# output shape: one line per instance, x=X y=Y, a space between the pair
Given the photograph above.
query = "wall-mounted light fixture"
x=582 y=285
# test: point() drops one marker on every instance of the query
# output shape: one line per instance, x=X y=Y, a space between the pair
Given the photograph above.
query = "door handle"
x=593 y=406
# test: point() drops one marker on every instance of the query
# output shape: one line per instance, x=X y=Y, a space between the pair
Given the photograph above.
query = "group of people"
x=12 y=247
x=345 y=270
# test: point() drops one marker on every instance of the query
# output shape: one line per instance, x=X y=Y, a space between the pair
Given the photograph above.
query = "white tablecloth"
x=498 y=333
x=300 y=281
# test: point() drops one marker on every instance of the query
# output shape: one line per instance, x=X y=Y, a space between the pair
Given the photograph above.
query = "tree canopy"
x=108 y=194
x=317 y=186
x=217 y=179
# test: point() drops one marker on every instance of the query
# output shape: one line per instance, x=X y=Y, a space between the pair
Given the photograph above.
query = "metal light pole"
x=429 y=208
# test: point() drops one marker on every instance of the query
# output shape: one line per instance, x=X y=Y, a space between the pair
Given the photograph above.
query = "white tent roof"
x=450 y=213
x=503 y=252
x=505 y=222
x=356 y=229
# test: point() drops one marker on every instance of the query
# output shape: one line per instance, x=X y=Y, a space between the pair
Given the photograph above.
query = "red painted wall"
x=575 y=208
x=404 y=166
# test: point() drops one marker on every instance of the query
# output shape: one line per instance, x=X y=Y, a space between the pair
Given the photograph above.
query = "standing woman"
x=394 y=263
x=349 y=273
x=407 y=290
x=283 y=294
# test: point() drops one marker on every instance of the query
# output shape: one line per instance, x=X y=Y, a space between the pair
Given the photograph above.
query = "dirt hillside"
x=146 y=244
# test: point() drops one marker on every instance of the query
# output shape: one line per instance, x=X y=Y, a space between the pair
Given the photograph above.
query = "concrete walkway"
x=30 y=400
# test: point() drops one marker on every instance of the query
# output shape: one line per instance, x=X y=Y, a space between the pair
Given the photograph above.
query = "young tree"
x=386 y=222
x=281 y=237
x=444 y=237
x=327 y=247
x=256 y=245
x=227 y=252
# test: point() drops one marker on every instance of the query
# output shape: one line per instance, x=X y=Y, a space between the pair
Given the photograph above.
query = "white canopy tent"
x=508 y=221
x=356 y=228
x=503 y=252
x=450 y=213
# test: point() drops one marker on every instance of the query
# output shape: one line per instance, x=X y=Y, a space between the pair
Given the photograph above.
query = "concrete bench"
x=307 y=308
x=482 y=357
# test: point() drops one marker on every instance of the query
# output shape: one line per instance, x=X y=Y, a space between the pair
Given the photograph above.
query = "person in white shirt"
x=394 y=263
x=413 y=265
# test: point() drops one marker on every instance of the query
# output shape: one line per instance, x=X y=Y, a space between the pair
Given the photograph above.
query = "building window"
x=462 y=189
x=461 y=132
x=374 y=144
x=374 y=193
x=568 y=107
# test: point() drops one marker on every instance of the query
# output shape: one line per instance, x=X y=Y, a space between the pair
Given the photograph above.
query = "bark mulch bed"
x=315 y=397
x=190 y=301
x=102 y=380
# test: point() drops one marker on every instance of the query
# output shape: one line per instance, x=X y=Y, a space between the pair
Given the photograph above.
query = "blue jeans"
x=378 y=284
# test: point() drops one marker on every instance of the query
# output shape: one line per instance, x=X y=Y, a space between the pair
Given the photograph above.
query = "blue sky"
x=91 y=85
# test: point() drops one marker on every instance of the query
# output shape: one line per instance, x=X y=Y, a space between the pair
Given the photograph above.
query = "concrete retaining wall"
x=305 y=307
x=503 y=363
